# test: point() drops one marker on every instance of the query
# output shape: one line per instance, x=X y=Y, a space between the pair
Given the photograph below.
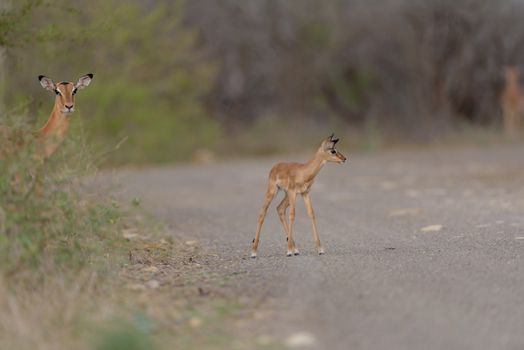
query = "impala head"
x=65 y=91
x=329 y=152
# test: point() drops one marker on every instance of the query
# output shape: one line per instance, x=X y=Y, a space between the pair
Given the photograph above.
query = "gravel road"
x=424 y=248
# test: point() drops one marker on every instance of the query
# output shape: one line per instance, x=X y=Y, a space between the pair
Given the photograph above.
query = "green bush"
x=45 y=216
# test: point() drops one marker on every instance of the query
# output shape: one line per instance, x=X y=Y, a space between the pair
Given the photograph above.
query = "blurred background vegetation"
x=180 y=78
x=190 y=80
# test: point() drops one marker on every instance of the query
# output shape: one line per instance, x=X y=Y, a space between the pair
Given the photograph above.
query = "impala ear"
x=84 y=81
x=329 y=142
x=333 y=139
x=326 y=144
x=46 y=83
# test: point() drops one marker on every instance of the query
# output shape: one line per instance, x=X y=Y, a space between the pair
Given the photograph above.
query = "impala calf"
x=293 y=179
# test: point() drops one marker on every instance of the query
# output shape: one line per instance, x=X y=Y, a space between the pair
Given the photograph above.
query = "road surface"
x=424 y=248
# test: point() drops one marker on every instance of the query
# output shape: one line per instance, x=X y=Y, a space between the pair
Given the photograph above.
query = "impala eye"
x=57 y=91
x=74 y=91
x=333 y=151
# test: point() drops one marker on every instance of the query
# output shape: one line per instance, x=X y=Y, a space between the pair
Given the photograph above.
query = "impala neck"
x=314 y=165
x=52 y=133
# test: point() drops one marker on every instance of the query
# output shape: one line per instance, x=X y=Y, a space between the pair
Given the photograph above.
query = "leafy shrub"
x=45 y=217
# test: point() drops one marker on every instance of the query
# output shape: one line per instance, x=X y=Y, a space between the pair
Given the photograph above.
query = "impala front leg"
x=311 y=214
x=267 y=200
x=291 y=247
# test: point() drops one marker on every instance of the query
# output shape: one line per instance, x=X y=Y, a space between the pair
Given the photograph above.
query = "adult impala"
x=52 y=133
x=512 y=101
x=293 y=179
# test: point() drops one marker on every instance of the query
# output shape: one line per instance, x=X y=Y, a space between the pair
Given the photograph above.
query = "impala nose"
x=68 y=107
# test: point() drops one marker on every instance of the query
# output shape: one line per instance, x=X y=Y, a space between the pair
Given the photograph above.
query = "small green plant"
x=127 y=336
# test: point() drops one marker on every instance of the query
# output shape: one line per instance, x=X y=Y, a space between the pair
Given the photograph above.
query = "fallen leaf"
x=262 y=315
x=162 y=242
x=191 y=242
x=432 y=228
x=483 y=225
x=153 y=284
x=151 y=269
x=195 y=322
x=129 y=233
x=300 y=339
x=388 y=185
x=412 y=193
x=136 y=286
x=404 y=212
x=519 y=237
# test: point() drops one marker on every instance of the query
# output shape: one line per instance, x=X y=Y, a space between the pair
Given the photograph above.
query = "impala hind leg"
x=311 y=214
x=281 y=210
x=291 y=247
x=267 y=201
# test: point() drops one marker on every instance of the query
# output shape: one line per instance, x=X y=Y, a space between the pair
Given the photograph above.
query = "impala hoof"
x=253 y=255
x=321 y=252
x=289 y=254
x=297 y=252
